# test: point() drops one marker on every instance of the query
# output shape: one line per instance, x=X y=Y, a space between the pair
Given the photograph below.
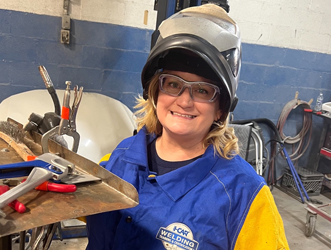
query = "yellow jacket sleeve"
x=263 y=228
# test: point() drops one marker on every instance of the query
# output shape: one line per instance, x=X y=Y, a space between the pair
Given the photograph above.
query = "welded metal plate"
x=43 y=208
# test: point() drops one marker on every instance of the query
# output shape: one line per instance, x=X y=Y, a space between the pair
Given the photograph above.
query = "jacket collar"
x=137 y=150
x=179 y=182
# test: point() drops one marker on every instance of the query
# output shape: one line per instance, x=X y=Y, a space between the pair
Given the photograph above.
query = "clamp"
x=68 y=119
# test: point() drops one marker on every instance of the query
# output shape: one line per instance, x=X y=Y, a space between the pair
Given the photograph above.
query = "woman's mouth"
x=182 y=115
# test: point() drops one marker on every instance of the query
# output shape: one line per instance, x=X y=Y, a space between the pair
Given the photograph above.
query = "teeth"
x=187 y=116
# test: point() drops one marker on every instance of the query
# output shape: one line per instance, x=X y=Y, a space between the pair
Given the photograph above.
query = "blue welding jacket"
x=202 y=205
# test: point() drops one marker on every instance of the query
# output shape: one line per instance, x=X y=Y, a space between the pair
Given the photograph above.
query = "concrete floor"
x=293 y=213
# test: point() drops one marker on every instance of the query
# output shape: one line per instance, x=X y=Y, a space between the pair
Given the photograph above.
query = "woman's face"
x=181 y=116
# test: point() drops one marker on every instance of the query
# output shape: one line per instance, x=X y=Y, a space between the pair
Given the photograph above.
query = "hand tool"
x=16 y=205
x=46 y=166
x=68 y=119
x=55 y=187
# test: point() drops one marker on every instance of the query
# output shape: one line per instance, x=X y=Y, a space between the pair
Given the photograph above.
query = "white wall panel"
x=280 y=35
x=295 y=24
x=122 y=12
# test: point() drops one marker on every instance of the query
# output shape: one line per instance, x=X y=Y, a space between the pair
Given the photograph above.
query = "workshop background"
x=286 y=48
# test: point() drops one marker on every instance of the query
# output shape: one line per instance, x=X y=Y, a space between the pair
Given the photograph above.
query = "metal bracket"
x=65 y=31
x=65 y=36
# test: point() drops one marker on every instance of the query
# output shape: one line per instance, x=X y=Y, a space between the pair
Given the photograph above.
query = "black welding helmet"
x=203 y=40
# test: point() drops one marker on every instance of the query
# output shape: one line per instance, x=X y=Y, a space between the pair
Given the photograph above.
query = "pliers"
x=68 y=119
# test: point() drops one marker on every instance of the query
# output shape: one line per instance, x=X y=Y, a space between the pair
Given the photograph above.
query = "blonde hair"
x=221 y=136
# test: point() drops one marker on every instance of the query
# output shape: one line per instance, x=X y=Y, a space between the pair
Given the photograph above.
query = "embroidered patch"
x=177 y=236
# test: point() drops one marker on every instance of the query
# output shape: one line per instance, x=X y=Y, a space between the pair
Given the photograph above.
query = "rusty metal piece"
x=44 y=208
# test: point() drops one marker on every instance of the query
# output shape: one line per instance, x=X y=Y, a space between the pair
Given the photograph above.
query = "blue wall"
x=102 y=58
x=108 y=59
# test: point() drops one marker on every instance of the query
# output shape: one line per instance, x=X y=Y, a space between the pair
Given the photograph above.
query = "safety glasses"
x=199 y=91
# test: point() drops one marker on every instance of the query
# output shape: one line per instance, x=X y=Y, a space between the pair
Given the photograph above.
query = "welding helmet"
x=202 y=40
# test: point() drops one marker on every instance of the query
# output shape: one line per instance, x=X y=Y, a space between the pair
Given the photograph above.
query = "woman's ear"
x=218 y=115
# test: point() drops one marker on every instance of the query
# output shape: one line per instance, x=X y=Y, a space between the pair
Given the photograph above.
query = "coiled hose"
x=298 y=142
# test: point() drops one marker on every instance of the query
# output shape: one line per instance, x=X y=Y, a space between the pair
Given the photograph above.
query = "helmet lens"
x=233 y=57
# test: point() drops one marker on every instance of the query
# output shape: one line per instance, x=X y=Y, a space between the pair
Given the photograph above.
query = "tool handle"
x=16 y=205
x=64 y=123
x=36 y=177
x=54 y=187
x=32 y=163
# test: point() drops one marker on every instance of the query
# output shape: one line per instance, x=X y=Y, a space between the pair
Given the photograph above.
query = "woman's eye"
x=202 y=91
x=174 y=85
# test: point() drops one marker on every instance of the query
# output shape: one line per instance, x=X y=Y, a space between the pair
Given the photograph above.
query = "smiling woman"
x=195 y=192
x=185 y=120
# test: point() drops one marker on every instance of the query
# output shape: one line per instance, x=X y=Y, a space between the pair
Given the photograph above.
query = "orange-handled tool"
x=16 y=205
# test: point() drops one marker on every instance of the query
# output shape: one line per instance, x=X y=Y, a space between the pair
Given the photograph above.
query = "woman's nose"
x=185 y=98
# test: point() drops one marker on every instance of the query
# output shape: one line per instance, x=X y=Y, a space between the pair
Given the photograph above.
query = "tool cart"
x=322 y=165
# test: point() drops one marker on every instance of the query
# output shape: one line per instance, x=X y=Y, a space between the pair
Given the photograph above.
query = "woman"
x=195 y=192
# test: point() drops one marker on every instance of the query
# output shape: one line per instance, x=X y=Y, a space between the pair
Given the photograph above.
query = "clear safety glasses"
x=199 y=91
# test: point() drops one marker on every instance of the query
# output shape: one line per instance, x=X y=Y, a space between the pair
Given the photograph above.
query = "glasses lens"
x=200 y=91
x=203 y=92
x=171 y=85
